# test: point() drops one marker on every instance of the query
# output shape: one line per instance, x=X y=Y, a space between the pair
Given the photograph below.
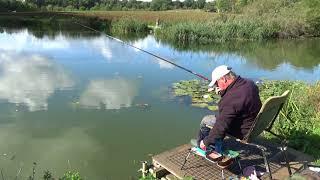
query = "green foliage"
x=158 y=5
x=71 y=175
x=313 y=15
x=223 y=5
x=129 y=25
x=299 y=120
x=217 y=30
x=258 y=20
x=48 y=175
x=15 y=6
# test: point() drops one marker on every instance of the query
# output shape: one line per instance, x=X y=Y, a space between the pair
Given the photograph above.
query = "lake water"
x=77 y=101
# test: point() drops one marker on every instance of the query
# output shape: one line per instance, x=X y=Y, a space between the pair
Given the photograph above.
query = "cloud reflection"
x=30 y=79
x=109 y=94
x=165 y=65
x=25 y=40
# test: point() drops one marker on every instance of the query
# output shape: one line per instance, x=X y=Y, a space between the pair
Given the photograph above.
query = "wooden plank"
x=162 y=159
x=195 y=167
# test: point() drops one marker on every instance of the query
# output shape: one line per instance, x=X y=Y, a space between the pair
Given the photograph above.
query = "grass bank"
x=299 y=120
x=274 y=19
x=150 y=17
x=258 y=20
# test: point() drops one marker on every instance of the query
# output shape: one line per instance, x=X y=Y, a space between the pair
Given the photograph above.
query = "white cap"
x=218 y=72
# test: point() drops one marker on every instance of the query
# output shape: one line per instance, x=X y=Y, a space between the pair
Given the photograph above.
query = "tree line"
x=155 y=5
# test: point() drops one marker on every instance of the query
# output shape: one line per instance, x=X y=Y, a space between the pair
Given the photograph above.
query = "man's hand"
x=202 y=146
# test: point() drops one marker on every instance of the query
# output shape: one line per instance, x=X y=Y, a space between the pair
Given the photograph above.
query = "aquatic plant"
x=197 y=91
x=71 y=175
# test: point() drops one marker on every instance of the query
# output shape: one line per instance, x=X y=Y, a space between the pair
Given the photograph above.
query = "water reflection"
x=301 y=53
x=24 y=41
x=30 y=79
x=51 y=25
x=109 y=94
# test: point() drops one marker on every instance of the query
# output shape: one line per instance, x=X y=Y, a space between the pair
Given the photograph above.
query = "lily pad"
x=213 y=108
x=197 y=91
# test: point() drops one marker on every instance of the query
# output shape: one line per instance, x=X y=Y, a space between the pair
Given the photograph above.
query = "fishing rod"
x=152 y=54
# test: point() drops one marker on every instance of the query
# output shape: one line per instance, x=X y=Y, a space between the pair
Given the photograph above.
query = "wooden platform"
x=199 y=168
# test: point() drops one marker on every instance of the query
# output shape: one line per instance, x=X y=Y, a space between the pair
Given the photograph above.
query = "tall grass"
x=257 y=21
x=218 y=30
x=128 y=25
x=299 y=120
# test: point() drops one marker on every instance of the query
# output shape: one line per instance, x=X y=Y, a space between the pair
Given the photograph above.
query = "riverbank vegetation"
x=299 y=120
x=255 y=21
x=14 y=6
x=240 y=19
x=250 y=20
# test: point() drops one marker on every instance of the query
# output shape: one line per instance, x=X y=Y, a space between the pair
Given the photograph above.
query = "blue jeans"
x=206 y=121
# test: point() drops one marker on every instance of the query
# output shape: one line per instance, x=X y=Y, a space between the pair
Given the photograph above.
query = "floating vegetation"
x=198 y=91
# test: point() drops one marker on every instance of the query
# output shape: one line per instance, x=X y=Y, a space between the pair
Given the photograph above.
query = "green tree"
x=177 y=4
x=210 y=7
x=201 y=4
x=188 y=3
x=158 y=5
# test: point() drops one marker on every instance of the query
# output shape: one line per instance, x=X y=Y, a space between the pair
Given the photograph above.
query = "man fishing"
x=238 y=107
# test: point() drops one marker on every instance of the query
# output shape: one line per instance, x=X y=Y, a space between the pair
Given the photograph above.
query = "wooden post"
x=144 y=169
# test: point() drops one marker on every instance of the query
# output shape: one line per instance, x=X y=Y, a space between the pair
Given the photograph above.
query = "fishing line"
x=152 y=54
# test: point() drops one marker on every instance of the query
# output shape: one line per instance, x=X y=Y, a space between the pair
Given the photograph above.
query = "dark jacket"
x=238 y=107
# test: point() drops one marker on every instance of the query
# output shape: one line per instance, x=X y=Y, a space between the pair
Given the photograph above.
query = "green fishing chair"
x=264 y=122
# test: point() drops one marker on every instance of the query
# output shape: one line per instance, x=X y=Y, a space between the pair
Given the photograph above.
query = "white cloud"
x=146 y=43
x=112 y=93
x=30 y=79
x=103 y=47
